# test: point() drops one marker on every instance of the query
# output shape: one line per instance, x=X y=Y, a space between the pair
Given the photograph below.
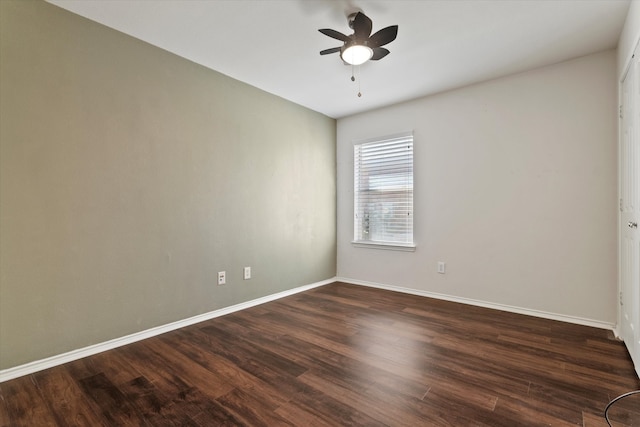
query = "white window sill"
x=406 y=247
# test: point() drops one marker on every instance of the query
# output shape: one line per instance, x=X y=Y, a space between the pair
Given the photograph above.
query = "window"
x=383 y=192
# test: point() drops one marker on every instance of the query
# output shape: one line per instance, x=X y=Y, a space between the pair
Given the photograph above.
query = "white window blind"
x=383 y=191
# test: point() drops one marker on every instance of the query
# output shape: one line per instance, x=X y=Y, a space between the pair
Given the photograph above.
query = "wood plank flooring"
x=340 y=355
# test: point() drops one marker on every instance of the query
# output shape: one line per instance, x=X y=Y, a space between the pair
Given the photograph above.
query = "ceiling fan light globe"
x=356 y=54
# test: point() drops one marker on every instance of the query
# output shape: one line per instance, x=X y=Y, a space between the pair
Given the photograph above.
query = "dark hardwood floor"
x=340 y=355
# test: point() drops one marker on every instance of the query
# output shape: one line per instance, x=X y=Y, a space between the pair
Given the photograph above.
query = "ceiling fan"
x=361 y=46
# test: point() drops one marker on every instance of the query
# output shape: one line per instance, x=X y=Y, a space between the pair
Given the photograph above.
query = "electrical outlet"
x=222 y=277
x=247 y=273
x=442 y=267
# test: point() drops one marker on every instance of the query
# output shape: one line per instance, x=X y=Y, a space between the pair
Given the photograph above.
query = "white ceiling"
x=442 y=44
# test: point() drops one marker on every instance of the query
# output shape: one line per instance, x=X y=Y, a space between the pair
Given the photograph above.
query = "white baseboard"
x=479 y=303
x=50 y=362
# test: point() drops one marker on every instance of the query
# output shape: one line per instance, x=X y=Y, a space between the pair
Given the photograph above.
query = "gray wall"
x=515 y=189
x=130 y=176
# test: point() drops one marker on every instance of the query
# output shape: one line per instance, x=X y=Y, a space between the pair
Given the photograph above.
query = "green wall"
x=130 y=176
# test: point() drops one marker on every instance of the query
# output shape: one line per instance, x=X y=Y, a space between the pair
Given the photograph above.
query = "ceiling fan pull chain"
x=355 y=69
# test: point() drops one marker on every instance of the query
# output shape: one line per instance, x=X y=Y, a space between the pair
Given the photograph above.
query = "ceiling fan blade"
x=384 y=36
x=379 y=53
x=362 y=26
x=334 y=34
x=328 y=51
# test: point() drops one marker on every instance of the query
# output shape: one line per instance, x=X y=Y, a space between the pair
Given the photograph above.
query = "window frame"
x=378 y=244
